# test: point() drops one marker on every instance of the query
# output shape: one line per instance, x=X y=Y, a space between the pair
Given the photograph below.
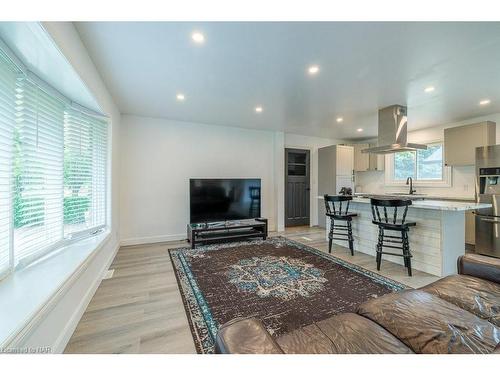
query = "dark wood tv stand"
x=226 y=231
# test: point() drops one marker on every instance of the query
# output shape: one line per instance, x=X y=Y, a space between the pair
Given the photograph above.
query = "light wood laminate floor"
x=139 y=309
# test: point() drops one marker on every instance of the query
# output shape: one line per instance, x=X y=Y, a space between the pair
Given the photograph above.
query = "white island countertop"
x=434 y=204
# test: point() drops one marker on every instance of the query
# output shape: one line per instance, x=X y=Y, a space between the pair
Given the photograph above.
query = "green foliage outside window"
x=76 y=180
x=420 y=165
x=75 y=207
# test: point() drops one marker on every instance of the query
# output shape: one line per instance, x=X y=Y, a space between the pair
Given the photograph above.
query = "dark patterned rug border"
x=203 y=328
x=197 y=344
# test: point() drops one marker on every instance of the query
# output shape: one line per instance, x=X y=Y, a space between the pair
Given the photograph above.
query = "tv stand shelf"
x=226 y=231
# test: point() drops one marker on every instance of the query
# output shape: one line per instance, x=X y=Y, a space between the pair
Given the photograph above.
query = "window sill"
x=25 y=292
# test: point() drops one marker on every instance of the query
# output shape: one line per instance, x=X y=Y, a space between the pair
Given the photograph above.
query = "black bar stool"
x=333 y=205
x=392 y=223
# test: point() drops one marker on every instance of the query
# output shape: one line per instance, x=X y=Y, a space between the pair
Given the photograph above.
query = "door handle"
x=493 y=221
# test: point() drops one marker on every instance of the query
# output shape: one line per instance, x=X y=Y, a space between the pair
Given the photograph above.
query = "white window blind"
x=85 y=159
x=7 y=121
x=53 y=168
x=38 y=171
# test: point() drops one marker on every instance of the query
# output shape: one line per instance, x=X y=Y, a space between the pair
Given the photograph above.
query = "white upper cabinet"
x=361 y=161
x=345 y=160
x=366 y=162
x=460 y=142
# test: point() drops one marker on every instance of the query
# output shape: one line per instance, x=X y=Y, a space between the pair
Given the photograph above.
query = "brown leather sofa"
x=456 y=314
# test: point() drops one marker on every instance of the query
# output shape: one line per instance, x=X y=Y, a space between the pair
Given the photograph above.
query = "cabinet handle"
x=492 y=221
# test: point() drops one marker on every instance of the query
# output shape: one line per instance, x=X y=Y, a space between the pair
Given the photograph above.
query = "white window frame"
x=74 y=237
x=446 y=180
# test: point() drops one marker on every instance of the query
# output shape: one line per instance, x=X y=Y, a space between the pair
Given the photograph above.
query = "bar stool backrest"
x=393 y=203
x=333 y=204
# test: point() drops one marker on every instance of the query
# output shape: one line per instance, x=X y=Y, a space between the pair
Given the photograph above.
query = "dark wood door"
x=297 y=189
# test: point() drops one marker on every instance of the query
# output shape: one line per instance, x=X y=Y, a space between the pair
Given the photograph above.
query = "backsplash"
x=462 y=184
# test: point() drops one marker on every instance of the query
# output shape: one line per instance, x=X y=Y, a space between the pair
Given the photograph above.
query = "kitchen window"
x=425 y=167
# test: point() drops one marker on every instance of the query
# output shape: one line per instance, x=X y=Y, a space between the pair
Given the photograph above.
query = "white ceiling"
x=363 y=67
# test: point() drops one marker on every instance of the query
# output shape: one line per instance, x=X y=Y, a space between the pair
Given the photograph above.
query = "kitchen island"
x=436 y=241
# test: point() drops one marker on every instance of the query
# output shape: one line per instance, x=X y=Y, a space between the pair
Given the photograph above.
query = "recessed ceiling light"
x=198 y=37
x=359 y=130
x=180 y=97
x=313 y=69
x=258 y=109
x=339 y=119
x=485 y=102
x=429 y=89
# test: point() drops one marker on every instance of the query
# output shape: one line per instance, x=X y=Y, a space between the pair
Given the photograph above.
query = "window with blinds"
x=53 y=170
x=38 y=171
x=85 y=150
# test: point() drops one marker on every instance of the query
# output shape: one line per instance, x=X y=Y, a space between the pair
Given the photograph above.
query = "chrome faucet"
x=409 y=181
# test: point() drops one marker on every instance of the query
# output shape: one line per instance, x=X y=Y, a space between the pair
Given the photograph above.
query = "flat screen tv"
x=220 y=199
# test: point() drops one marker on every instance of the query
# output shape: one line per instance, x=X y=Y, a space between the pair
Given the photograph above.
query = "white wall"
x=462 y=177
x=161 y=155
x=56 y=326
x=312 y=144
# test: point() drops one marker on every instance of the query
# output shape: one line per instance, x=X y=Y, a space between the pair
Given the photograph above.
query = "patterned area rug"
x=282 y=282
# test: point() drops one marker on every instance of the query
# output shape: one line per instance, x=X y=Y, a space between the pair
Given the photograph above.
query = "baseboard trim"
x=152 y=239
x=70 y=326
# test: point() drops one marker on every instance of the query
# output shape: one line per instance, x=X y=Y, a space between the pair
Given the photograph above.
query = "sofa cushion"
x=245 y=336
x=478 y=296
x=306 y=340
x=428 y=324
x=480 y=266
x=342 y=334
x=353 y=334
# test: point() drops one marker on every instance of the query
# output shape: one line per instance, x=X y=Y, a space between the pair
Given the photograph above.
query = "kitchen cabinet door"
x=460 y=142
x=361 y=160
x=377 y=161
x=345 y=161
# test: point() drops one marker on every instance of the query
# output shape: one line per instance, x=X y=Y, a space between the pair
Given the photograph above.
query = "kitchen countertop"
x=435 y=204
x=442 y=205
x=420 y=196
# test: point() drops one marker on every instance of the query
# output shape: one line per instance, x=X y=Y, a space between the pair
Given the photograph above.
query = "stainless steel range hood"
x=392 y=132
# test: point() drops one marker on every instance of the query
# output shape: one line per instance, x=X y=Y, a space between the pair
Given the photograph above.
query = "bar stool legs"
x=405 y=242
x=348 y=234
x=379 y=247
x=330 y=237
x=406 y=251
x=333 y=207
x=350 y=238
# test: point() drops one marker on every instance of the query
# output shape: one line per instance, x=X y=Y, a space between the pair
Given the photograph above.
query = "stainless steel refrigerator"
x=488 y=191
